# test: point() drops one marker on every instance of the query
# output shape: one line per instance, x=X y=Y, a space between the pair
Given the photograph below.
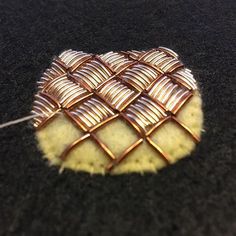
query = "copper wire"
x=74 y=59
x=92 y=74
x=117 y=94
x=168 y=52
x=159 y=59
x=72 y=146
x=66 y=91
x=116 y=161
x=133 y=54
x=51 y=73
x=145 y=113
x=45 y=107
x=139 y=76
x=91 y=113
x=143 y=88
x=184 y=77
x=159 y=150
x=195 y=137
x=116 y=61
x=170 y=94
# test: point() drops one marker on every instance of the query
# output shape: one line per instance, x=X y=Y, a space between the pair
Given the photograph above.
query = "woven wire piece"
x=45 y=106
x=143 y=88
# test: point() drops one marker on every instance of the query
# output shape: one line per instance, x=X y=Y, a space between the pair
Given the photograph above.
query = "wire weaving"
x=144 y=89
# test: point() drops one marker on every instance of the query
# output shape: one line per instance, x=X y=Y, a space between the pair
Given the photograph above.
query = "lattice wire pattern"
x=141 y=88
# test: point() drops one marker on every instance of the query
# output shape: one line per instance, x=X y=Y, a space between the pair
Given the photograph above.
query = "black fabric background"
x=197 y=196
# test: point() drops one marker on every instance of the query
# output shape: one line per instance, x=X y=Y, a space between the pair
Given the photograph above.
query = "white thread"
x=25 y=118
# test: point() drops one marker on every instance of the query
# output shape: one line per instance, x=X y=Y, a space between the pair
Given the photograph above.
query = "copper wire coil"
x=45 y=107
x=161 y=60
x=73 y=59
x=116 y=61
x=185 y=77
x=91 y=112
x=53 y=72
x=168 y=51
x=65 y=91
x=92 y=74
x=145 y=113
x=171 y=95
x=117 y=94
x=139 y=76
x=134 y=54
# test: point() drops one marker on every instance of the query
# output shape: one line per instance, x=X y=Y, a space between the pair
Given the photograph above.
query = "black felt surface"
x=197 y=196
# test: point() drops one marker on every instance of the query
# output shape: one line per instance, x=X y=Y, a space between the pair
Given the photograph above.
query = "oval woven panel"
x=119 y=112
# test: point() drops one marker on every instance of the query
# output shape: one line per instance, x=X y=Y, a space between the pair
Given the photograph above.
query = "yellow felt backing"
x=117 y=135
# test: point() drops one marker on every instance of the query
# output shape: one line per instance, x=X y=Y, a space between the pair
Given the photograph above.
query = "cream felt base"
x=118 y=135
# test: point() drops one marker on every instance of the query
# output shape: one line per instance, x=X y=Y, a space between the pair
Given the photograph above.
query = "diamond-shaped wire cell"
x=144 y=114
x=57 y=69
x=184 y=77
x=44 y=108
x=166 y=62
x=92 y=74
x=117 y=94
x=66 y=91
x=91 y=113
x=139 y=76
x=171 y=95
x=117 y=136
x=176 y=135
x=116 y=61
x=73 y=59
x=95 y=158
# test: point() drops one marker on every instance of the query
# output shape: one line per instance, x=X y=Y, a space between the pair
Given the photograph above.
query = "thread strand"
x=23 y=119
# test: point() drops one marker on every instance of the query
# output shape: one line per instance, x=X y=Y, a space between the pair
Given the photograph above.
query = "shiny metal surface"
x=143 y=88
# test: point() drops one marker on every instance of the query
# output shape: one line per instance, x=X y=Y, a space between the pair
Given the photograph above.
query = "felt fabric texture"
x=56 y=135
x=194 y=197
